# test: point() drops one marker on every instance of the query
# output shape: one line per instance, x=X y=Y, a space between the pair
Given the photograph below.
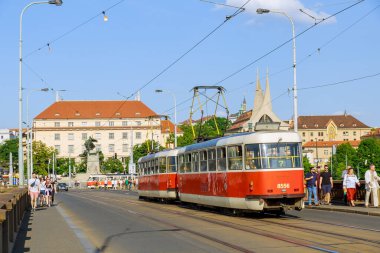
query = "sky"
x=96 y=60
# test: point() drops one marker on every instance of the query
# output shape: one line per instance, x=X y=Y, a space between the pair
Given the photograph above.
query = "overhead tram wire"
x=229 y=17
x=49 y=43
x=281 y=45
x=286 y=42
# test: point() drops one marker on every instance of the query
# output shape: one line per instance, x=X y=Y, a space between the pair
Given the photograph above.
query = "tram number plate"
x=283 y=186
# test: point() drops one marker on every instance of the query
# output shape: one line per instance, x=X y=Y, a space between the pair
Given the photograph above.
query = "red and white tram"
x=260 y=171
x=158 y=175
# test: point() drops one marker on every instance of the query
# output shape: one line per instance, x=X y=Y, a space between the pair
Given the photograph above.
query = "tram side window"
x=235 y=157
x=211 y=160
x=203 y=159
x=281 y=155
x=187 y=163
x=252 y=157
x=171 y=164
x=156 y=166
x=195 y=162
x=162 y=164
x=221 y=159
x=181 y=163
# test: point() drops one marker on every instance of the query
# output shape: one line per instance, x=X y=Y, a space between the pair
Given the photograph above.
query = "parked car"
x=62 y=187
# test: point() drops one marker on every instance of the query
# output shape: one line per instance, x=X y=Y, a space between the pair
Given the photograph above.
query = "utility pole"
x=69 y=171
x=54 y=165
x=316 y=150
x=10 y=168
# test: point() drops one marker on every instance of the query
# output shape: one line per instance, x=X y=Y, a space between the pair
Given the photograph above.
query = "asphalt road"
x=119 y=222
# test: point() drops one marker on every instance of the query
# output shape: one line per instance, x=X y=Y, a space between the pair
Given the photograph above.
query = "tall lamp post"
x=175 y=114
x=20 y=148
x=295 y=97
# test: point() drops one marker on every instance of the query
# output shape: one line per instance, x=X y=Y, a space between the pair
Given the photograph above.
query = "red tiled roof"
x=239 y=122
x=168 y=127
x=321 y=122
x=320 y=144
x=96 y=109
x=373 y=133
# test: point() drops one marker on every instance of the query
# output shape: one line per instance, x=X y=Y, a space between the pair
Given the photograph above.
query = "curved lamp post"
x=175 y=114
x=295 y=97
x=20 y=148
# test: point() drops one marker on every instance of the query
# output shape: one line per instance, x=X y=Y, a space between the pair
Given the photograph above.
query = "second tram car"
x=260 y=171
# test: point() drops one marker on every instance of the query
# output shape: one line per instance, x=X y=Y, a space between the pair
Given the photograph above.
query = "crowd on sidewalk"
x=320 y=183
x=130 y=184
x=41 y=191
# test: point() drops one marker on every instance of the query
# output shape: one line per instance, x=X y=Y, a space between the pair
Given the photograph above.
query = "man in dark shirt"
x=326 y=184
x=311 y=184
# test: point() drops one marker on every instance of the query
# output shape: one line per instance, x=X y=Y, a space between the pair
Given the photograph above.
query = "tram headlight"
x=251 y=186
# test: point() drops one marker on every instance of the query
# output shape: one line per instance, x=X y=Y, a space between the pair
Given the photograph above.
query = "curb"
x=332 y=209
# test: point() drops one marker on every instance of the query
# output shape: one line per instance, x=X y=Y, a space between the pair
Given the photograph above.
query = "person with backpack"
x=34 y=190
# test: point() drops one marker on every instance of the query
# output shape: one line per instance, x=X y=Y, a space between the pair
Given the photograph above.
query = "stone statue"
x=89 y=144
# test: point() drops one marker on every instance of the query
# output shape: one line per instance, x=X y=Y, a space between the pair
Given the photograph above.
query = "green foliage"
x=368 y=152
x=9 y=146
x=339 y=159
x=112 y=165
x=208 y=130
x=41 y=156
x=143 y=149
x=306 y=163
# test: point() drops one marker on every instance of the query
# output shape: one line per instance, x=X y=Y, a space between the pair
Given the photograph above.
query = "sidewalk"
x=45 y=230
x=339 y=207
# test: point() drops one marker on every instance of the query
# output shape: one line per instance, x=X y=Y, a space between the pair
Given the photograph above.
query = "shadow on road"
x=19 y=246
x=108 y=240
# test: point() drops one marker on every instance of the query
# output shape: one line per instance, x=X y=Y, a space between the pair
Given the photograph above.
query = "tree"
x=9 y=146
x=41 y=156
x=112 y=165
x=345 y=153
x=306 y=163
x=368 y=152
x=144 y=149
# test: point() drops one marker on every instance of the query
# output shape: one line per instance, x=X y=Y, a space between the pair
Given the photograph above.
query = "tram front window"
x=273 y=156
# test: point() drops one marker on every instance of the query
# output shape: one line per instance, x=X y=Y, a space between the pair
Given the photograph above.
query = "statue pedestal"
x=93 y=165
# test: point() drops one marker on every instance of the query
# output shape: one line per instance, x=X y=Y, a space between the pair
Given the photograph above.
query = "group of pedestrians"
x=41 y=191
x=127 y=184
x=319 y=185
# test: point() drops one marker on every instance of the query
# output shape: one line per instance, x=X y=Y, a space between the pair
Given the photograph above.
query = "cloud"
x=291 y=7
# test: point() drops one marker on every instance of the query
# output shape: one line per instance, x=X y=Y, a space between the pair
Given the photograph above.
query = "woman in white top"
x=371 y=186
x=350 y=181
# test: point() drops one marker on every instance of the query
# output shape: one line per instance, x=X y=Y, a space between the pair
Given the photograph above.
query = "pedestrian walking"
x=105 y=184
x=326 y=185
x=126 y=183
x=34 y=190
x=350 y=181
x=318 y=182
x=42 y=192
x=371 y=186
x=311 y=184
x=49 y=191
x=344 y=173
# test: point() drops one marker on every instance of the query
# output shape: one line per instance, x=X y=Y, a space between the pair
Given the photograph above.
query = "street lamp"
x=175 y=114
x=29 y=134
x=20 y=149
x=295 y=97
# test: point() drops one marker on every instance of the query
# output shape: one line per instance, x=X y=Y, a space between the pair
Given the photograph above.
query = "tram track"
x=310 y=244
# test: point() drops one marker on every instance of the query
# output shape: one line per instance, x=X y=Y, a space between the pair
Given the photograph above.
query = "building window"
x=70 y=124
x=84 y=136
x=345 y=133
x=311 y=134
x=57 y=124
x=303 y=134
x=98 y=136
x=70 y=136
x=98 y=147
x=125 y=147
x=57 y=137
x=345 y=139
x=84 y=123
x=111 y=123
x=125 y=135
x=326 y=152
x=124 y=123
x=70 y=149
x=138 y=135
x=111 y=148
x=138 y=123
x=97 y=123
x=250 y=127
x=354 y=133
x=320 y=133
x=58 y=148
x=111 y=136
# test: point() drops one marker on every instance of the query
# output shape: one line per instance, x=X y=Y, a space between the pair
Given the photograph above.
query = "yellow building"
x=116 y=125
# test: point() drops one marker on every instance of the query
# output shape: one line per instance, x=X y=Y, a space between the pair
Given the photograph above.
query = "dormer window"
x=77 y=114
x=117 y=114
x=57 y=115
x=315 y=125
x=97 y=114
x=304 y=126
x=354 y=125
x=341 y=125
